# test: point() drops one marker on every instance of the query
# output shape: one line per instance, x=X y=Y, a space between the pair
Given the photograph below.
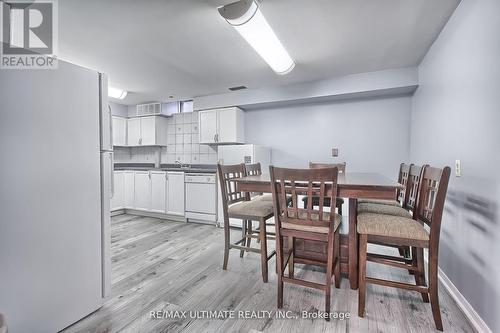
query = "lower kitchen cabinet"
x=175 y=193
x=118 y=199
x=158 y=191
x=128 y=189
x=151 y=191
x=142 y=193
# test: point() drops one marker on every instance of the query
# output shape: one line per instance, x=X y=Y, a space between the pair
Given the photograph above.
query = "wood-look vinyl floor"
x=164 y=265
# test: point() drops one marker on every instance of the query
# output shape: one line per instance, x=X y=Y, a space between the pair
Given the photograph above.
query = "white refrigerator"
x=56 y=185
x=234 y=154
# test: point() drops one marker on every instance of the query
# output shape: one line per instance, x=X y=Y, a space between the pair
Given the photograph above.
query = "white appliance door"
x=50 y=216
x=236 y=154
x=107 y=192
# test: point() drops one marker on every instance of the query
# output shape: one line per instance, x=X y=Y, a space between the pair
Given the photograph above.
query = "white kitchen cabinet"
x=128 y=189
x=222 y=126
x=147 y=131
x=175 y=193
x=158 y=191
x=118 y=199
x=134 y=132
x=119 y=131
x=208 y=126
x=142 y=192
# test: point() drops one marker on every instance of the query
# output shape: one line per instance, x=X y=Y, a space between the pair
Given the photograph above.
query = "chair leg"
x=291 y=247
x=249 y=231
x=227 y=240
x=363 y=240
x=263 y=249
x=420 y=273
x=279 y=263
x=243 y=235
x=336 y=269
x=329 y=273
x=433 y=290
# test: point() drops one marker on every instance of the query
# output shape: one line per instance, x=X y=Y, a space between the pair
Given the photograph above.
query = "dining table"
x=351 y=185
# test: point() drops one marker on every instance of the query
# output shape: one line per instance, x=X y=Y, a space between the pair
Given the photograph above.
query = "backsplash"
x=182 y=145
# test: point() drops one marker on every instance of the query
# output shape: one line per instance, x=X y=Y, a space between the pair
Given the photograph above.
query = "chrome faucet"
x=183 y=166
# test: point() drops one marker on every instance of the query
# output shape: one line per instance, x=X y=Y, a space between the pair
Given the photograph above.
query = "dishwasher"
x=201 y=197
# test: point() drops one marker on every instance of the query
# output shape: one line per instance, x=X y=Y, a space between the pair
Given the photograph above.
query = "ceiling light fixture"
x=117 y=93
x=246 y=17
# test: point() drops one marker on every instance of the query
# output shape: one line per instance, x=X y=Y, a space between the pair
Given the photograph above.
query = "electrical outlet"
x=335 y=152
x=458 y=168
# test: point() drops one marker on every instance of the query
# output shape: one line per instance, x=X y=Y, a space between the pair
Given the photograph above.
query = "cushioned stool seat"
x=383 y=209
x=311 y=228
x=380 y=202
x=254 y=208
x=391 y=226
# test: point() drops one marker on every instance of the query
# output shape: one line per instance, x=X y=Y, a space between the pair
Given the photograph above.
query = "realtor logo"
x=29 y=34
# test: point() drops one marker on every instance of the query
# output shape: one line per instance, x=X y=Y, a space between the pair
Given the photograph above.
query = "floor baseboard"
x=475 y=320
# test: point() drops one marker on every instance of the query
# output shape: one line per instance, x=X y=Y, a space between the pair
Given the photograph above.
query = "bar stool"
x=315 y=201
x=309 y=224
x=402 y=231
x=240 y=206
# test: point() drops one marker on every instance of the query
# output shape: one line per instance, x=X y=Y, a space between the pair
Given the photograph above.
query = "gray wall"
x=372 y=135
x=456 y=116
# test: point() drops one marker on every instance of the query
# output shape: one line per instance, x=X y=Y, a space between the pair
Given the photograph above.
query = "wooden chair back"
x=339 y=166
x=412 y=187
x=404 y=173
x=227 y=179
x=431 y=198
x=309 y=182
x=253 y=169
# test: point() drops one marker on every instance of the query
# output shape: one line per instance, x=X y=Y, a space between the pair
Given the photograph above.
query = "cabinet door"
x=128 y=189
x=118 y=199
x=158 y=191
x=142 y=197
x=148 y=131
x=134 y=132
x=230 y=126
x=208 y=126
x=119 y=131
x=175 y=193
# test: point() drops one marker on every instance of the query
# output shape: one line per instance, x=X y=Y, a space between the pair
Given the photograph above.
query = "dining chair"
x=256 y=170
x=306 y=223
x=404 y=170
x=315 y=201
x=239 y=205
x=406 y=199
x=403 y=231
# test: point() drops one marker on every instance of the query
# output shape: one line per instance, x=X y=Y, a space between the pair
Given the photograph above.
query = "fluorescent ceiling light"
x=117 y=93
x=246 y=17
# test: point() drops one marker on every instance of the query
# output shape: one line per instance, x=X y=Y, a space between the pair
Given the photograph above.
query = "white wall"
x=456 y=115
x=372 y=135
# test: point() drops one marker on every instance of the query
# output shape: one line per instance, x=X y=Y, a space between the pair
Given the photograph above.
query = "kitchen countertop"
x=199 y=168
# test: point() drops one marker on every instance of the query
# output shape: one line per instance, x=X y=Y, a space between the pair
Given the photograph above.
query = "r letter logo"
x=29 y=34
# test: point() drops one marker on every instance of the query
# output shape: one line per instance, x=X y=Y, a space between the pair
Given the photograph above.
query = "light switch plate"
x=458 y=168
x=335 y=152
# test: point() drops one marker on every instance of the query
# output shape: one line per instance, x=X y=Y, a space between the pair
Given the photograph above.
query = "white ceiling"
x=183 y=48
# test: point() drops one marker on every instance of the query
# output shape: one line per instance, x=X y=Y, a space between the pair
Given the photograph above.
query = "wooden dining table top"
x=349 y=184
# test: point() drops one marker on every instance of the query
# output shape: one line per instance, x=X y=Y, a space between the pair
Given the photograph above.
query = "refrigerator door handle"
x=112 y=174
x=110 y=126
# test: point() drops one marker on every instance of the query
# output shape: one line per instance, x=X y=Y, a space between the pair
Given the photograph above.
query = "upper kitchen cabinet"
x=147 y=131
x=119 y=131
x=222 y=126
